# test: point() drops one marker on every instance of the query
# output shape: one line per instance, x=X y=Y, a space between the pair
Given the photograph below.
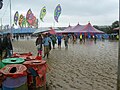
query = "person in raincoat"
x=53 y=38
x=39 y=44
x=66 y=41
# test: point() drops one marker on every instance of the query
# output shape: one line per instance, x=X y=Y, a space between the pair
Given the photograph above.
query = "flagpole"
x=53 y=23
x=10 y=18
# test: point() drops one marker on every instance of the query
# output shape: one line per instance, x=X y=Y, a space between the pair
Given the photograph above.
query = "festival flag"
x=22 y=21
x=42 y=13
x=57 y=12
x=30 y=18
x=16 y=17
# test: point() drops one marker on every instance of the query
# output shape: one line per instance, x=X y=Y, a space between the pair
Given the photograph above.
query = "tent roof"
x=20 y=31
x=24 y=30
x=68 y=29
x=77 y=28
x=90 y=29
x=81 y=29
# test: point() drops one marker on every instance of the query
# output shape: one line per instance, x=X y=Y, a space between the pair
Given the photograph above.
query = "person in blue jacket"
x=46 y=43
x=59 y=38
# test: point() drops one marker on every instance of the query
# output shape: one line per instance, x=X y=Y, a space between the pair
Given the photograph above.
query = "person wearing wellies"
x=17 y=37
x=39 y=45
x=74 y=39
x=46 y=41
x=66 y=41
x=59 y=38
x=81 y=37
x=7 y=45
x=53 y=38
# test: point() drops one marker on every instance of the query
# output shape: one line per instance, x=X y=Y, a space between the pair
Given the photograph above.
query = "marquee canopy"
x=81 y=29
x=90 y=29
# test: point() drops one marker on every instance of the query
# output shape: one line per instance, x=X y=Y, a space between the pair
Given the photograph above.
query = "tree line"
x=109 y=29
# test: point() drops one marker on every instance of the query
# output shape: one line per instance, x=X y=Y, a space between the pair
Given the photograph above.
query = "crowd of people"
x=44 y=43
x=22 y=36
x=48 y=42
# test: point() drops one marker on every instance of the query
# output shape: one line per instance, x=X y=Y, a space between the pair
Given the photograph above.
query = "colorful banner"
x=31 y=19
x=16 y=17
x=42 y=13
x=57 y=12
x=22 y=21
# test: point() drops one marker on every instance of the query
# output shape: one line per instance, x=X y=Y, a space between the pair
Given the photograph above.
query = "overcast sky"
x=98 y=12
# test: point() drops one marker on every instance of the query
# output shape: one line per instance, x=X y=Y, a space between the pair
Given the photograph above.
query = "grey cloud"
x=74 y=9
x=93 y=7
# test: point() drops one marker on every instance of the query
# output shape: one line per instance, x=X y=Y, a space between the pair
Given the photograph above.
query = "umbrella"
x=41 y=30
x=46 y=29
x=116 y=28
x=45 y=33
x=52 y=31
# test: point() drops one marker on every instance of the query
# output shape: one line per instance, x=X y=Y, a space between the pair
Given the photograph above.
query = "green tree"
x=115 y=24
x=97 y=27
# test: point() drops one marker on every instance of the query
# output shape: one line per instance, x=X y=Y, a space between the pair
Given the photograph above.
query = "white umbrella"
x=41 y=30
x=44 y=29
